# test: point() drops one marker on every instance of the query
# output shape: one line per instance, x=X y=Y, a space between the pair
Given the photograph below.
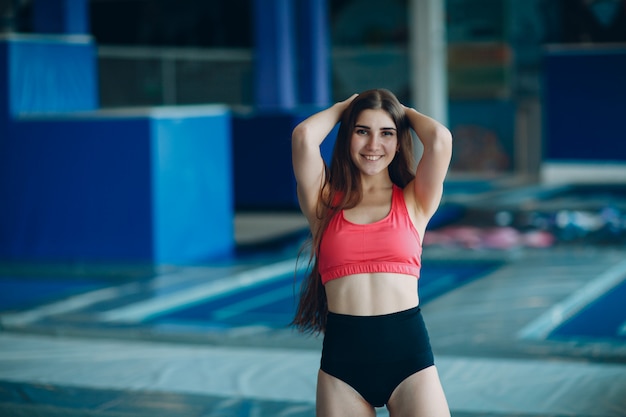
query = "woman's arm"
x=308 y=165
x=433 y=167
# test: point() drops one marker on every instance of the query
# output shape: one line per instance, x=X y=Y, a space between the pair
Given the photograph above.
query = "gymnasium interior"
x=143 y=278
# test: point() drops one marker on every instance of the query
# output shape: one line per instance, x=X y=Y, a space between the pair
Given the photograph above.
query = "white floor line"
x=89 y=298
x=140 y=311
x=67 y=305
x=559 y=313
x=267 y=298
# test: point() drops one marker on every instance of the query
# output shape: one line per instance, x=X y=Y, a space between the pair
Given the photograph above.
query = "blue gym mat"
x=273 y=304
x=605 y=318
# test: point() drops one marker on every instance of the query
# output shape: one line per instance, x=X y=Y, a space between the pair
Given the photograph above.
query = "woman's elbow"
x=299 y=134
x=445 y=134
x=443 y=139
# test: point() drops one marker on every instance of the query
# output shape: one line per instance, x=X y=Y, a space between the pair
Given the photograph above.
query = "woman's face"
x=374 y=141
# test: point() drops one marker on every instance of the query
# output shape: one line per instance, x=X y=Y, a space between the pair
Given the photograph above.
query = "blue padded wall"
x=4 y=94
x=77 y=189
x=193 y=187
x=50 y=74
x=104 y=186
x=263 y=172
x=60 y=16
x=275 y=77
x=4 y=81
x=585 y=105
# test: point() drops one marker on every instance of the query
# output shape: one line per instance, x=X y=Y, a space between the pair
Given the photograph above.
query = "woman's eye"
x=361 y=132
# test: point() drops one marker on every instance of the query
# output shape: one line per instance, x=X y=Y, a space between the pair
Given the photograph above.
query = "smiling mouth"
x=372 y=157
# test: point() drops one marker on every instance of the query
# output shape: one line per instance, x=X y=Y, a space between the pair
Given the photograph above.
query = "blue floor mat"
x=19 y=293
x=273 y=304
x=605 y=318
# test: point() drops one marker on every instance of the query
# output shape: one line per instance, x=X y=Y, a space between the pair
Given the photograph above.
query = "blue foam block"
x=137 y=186
x=4 y=88
x=48 y=74
x=263 y=171
x=584 y=106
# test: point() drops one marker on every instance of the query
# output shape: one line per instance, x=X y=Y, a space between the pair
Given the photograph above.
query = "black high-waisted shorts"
x=374 y=354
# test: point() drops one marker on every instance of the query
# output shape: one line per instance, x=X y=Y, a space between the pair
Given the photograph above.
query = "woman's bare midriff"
x=372 y=294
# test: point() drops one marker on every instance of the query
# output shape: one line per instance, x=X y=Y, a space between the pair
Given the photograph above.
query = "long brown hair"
x=342 y=190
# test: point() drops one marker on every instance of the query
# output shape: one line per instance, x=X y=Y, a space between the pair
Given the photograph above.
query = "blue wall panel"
x=4 y=106
x=275 y=68
x=262 y=148
x=263 y=173
x=53 y=74
x=193 y=188
x=313 y=51
x=60 y=16
x=77 y=189
x=4 y=89
x=118 y=188
x=585 y=105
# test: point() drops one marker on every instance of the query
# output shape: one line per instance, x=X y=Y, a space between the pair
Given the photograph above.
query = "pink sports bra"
x=388 y=245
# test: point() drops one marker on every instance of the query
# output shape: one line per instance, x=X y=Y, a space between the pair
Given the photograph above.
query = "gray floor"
x=489 y=337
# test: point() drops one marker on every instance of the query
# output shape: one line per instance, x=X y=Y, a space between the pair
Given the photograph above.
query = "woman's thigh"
x=421 y=394
x=335 y=398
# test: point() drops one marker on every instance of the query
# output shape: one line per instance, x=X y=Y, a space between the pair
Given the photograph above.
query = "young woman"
x=367 y=216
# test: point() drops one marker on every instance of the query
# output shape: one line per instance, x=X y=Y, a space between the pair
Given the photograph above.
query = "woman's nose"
x=373 y=141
